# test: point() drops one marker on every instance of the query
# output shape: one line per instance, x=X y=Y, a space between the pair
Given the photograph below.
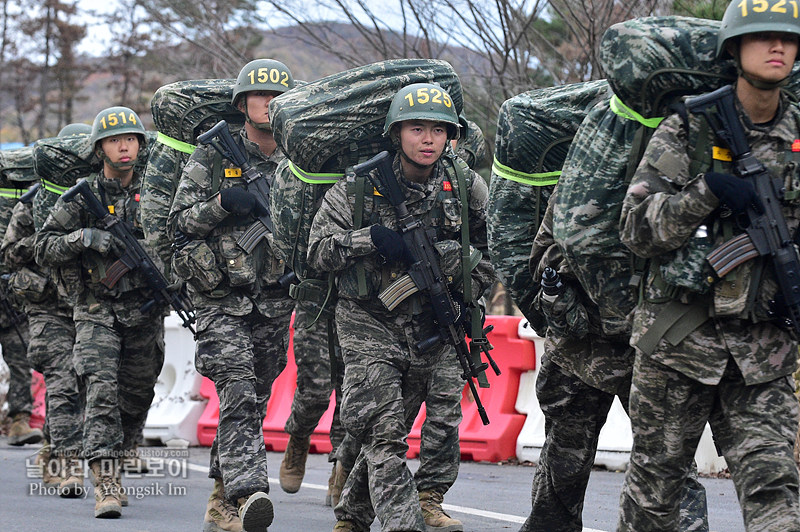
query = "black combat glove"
x=237 y=201
x=390 y=244
x=735 y=192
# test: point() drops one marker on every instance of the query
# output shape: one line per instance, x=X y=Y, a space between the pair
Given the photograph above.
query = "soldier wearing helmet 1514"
x=119 y=335
x=243 y=312
x=715 y=351
x=386 y=376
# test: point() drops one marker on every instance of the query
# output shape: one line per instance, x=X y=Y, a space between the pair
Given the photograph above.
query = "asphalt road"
x=172 y=497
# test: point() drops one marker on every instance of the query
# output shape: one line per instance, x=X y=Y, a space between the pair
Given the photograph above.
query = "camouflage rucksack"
x=336 y=121
x=651 y=63
x=534 y=131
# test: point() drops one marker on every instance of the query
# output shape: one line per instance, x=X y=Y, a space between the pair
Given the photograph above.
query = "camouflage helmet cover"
x=423 y=101
x=116 y=121
x=75 y=128
x=263 y=75
x=753 y=16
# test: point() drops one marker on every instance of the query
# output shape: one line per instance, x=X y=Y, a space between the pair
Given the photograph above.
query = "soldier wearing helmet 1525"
x=242 y=311
x=386 y=376
x=715 y=351
x=119 y=347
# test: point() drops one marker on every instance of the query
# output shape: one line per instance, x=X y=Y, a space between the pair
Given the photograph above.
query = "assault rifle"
x=15 y=317
x=220 y=138
x=134 y=257
x=29 y=195
x=766 y=233
x=425 y=275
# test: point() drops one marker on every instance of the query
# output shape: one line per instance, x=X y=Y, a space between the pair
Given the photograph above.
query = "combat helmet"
x=742 y=18
x=116 y=121
x=262 y=75
x=423 y=101
x=75 y=128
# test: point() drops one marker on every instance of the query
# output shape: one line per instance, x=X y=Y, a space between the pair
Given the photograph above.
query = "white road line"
x=450 y=507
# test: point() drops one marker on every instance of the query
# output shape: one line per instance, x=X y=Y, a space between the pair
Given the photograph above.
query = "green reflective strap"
x=542 y=179
x=620 y=109
x=176 y=144
x=11 y=193
x=52 y=187
x=314 y=179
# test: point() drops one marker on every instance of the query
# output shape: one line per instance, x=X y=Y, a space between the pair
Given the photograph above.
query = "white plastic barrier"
x=616 y=438
x=177 y=405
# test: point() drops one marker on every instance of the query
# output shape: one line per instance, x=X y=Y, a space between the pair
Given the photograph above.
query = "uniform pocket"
x=30 y=285
x=240 y=266
x=195 y=263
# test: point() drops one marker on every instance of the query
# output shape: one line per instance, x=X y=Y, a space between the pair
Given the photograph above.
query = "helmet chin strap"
x=266 y=126
x=757 y=83
x=117 y=166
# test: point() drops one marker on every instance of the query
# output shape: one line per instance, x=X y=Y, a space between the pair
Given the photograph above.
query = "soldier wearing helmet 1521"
x=717 y=352
x=119 y=347
x=242 y=311
x=386 y=376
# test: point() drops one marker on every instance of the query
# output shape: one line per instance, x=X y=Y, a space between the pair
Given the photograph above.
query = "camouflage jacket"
x=58 y=245
x=219 y=273
x=334 y=244
x=29 y=281
x=673 y=218
x=575 y=340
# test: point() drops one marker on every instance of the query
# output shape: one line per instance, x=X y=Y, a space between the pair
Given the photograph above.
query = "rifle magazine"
x=724 y=258
x=250 y=238
x=398 y=291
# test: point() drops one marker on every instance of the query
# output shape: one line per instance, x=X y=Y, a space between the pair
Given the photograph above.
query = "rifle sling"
x=675 y=322
x=358 y=220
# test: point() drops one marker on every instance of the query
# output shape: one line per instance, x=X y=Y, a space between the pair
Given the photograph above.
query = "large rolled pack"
x=16 y=167
x=534 y=132
x=333 y=122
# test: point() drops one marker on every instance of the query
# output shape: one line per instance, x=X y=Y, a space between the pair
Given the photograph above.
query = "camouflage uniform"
x=118 y=351
x=52 y=333
x=581 y=372
x=20 y=400
x=386 y=378
x=242 y=314
x=733 y=369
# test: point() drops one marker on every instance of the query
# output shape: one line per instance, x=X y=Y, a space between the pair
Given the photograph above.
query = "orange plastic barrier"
x=498 y=440
x=493 y=442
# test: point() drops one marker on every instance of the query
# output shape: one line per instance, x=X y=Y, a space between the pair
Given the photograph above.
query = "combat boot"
x=121 y=494
x=348 y=526
x=72 y=485
x=293 y=466
x=256 y=512
x=106 y=498
x=435 y=518
x=21 y=431
x=339 y=477
x=48 y=466
x=221 y=514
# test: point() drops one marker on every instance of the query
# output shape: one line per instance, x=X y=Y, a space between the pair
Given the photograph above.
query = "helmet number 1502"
x=114 y=119
x=776 y=6
x=272 y=75
x=424 y=95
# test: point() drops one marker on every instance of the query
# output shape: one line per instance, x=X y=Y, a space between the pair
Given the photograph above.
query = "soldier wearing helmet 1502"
x=242 y=311
x=386 y=376
x=119 y=346
x=729 y=357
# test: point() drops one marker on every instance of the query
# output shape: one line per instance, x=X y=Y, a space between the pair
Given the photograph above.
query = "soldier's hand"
x=237 y=201
x=99 y=240
x=389 y=244
x=734 y=192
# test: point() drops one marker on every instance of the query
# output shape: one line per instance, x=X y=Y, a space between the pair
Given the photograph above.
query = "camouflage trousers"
x=314 y=384
x=118 y=365
x=242 y=355
x=50 y=353
x=19 y=395
x=754 y=426
x=574 y=415
x=384 y=386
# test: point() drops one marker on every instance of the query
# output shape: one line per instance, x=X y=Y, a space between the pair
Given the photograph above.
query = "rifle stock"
x=767 y=233
x=426 y=276
x=134 y=257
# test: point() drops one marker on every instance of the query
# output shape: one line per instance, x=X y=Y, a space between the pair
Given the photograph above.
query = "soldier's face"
x=258 y=105
x=121 y=148
x=768 y=55
x=423 y=141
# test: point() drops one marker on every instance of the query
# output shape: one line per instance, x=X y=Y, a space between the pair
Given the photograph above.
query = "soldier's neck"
x=264 y=139
x=759 y=104
x=413 y=172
